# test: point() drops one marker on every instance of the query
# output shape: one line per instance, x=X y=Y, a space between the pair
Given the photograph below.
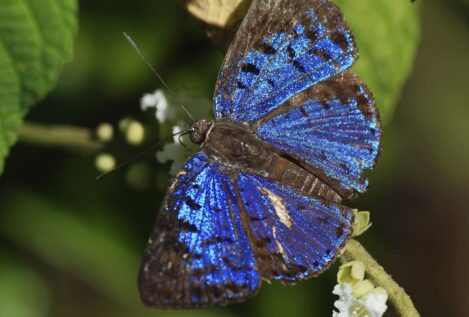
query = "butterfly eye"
x=196 y=137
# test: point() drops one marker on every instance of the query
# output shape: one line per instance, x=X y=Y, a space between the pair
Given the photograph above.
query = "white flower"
x=158 y=101
x=169 y=113
x=172 y=152
x=372 y=304
x=376 y=300
x=176 y=129
x=176 y=152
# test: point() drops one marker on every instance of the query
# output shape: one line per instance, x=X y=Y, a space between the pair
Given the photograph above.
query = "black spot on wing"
x=303 y=111
x=340 y=230
x=197 y=256
x=323 y=54
x=255 y=218
x=344 y=167
x=240 y=85
x=250 y=68
x=339 y=39
x=299 y=67
x=192 y=204
x=297 y=268
x=311 y=35
x=184 y=225
x=268 y=49
x=323 y=220
x=215 y=240
x=364 y=106
x=326 y=105
x=291 y=52
x=322 y=156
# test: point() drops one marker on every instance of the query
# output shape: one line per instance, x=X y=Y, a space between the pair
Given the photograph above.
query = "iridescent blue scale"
x=225 y=227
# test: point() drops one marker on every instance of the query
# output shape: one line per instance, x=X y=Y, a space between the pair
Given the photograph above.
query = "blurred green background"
x=70 y=246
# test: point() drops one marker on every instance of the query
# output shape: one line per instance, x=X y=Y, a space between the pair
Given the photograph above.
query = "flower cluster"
x=170 y=117
x=358 y=297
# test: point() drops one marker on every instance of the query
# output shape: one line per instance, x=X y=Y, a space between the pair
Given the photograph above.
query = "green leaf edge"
x=36 y=39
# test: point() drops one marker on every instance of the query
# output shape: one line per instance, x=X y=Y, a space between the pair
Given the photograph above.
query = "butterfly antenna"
x=139 y=52
x=139 y=155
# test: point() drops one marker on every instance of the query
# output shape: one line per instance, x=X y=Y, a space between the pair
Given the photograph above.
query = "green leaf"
x=35 y=40
x=387 y=34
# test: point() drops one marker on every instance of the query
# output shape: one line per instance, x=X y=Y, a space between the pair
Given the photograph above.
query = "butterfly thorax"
x=234 y=145
x=239 y=149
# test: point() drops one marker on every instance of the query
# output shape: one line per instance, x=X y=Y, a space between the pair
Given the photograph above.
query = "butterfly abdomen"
x=285 y=171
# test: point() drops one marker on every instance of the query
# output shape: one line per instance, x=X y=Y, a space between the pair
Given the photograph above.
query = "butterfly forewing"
x=198 y=253
x=281 y=48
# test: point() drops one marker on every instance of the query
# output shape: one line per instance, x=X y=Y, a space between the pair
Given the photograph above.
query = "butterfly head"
x=199 y=131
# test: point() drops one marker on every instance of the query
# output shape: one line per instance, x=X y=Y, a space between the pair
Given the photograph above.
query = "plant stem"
x=59 y=136
x=376 y=273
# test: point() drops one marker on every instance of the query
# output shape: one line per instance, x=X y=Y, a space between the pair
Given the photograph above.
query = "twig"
x=59 y=136
x=376 y=273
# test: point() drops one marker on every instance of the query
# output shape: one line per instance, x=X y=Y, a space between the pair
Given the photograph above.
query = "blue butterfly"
x=262 y=200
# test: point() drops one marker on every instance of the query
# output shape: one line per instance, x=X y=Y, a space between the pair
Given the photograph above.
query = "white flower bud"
x=105 y=162
x=105 y=132
x=135 y=133
x=361 y=222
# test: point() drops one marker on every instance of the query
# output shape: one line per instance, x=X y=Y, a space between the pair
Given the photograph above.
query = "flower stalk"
x=60 y=136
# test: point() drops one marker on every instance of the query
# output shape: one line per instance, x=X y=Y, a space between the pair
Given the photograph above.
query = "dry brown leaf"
x=218 y=13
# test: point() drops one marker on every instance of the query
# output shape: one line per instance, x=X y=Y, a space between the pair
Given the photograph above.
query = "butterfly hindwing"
x=198 y=253
x=281 y=48
x=333 y=126
x=296 y=236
